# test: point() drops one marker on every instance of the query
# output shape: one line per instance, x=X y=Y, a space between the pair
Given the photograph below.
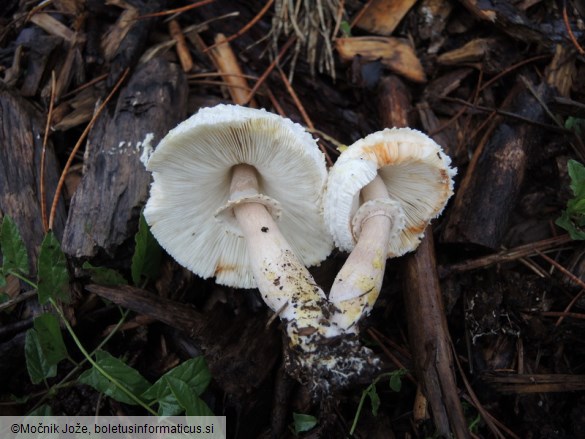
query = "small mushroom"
x=381 y=194
x=236 y=194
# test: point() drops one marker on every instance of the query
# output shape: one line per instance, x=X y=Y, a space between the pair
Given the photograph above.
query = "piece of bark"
x=396 y=54
x=433 y=19
x=473 y=51
x=240 y=351
x=427 y=325
x=131 y=37
x=226 y=62
x=394 y=102
x=514 y=22
x=21 y=137
x=487 y=195
x=181 y=46
x=429 y=339
x=381 y=16
x=53 y=26
x=115 y=182
x=39 y=56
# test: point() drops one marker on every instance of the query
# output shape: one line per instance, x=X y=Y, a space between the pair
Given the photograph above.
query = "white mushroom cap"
x=189 y=212
x=415 y=171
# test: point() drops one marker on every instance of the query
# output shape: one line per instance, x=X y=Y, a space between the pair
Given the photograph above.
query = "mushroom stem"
x=358 y=283
x=284 y=282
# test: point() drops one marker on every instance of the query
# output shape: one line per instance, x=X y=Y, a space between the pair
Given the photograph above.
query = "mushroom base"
x=334 y=364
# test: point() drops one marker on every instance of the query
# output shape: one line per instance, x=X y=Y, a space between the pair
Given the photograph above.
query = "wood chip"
x=181 y=46
x=381 y=16
x=226 y=62
x=53 y=26
x=118 y=31
x=394 y=53
x=471 y=52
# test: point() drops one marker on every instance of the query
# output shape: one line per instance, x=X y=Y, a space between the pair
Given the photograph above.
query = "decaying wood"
x=562 y=70
x=485 y=198
x=21 y=137
x=115 y=183
x=507 y=17
x=427 y=328
x=181 y=45
x=52 y=26
x=434 y=15
x=381 y=16
x=533 y=383
x=41 y=52
x=394 y=102
x=240 y=354
x=75 y=111
x=506 y=255
x=472 y=51
x=429 y=339
x=128 y=37
x=394 y=53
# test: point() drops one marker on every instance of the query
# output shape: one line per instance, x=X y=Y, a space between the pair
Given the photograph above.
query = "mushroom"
x=381 y=194
x=236 y=194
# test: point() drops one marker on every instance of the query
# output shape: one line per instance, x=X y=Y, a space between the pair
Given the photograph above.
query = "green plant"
x=177 y=391
x=303 y=422
x=395 y=384
x=573 y=218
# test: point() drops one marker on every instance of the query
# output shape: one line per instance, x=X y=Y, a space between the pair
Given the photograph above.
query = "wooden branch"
x=240 y=354
x=533 y=383
x=429 y=339
x=427 y=324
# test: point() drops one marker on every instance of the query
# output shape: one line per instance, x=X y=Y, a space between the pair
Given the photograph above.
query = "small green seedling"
x=395 y=384
x=178 y=391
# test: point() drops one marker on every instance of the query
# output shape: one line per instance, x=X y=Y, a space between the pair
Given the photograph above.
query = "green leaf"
x=15 y=257
x=2 y=279
x=374 y=399
x=565 y=222
x=396 y=380
x=37 y=365
x=104 y=276
x=4 y=297
x=577 y=174
x=345 y=28
x=194 y=372
x=50 y=338
x=189 y=401
x=147 y=254
x=53 y=277
x=303 y=422
x=575 y=124
x=127 y=376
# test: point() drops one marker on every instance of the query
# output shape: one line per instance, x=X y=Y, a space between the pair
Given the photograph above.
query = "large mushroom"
x=236 y=195
x=381 y=194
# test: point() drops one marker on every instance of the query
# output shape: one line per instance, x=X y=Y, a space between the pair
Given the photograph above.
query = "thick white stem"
x=284 y=282
x=358 y=283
